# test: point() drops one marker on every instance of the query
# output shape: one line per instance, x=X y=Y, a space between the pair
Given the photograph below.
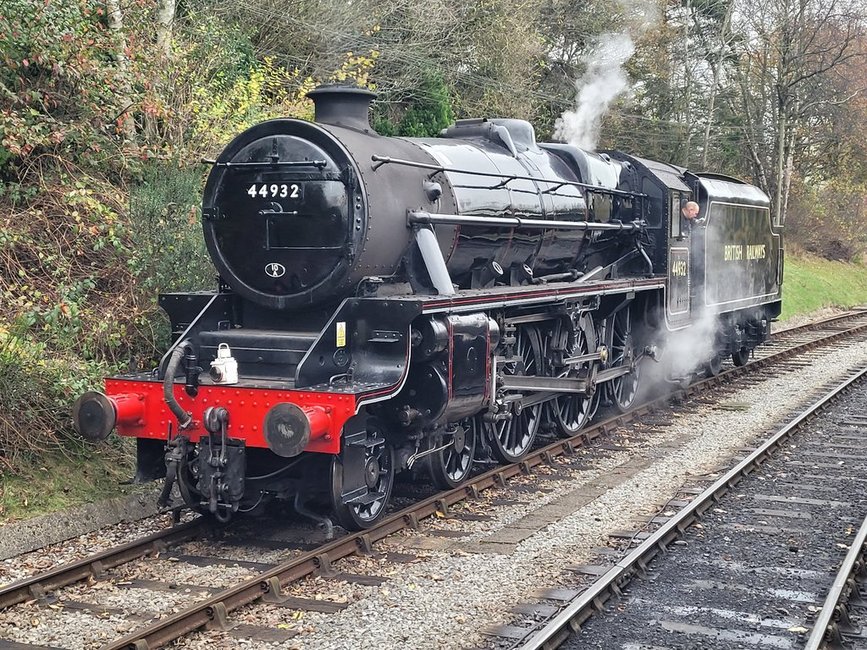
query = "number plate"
x=294 y=191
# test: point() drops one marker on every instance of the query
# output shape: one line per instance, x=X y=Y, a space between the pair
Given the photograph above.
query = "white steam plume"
x=603 y=81
x=682 y=354
x=688 y=350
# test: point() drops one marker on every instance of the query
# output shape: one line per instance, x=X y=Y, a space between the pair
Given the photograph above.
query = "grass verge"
x=56 y=481
x=811 y=283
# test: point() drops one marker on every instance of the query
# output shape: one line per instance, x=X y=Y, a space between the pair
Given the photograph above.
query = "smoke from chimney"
x=603 y=81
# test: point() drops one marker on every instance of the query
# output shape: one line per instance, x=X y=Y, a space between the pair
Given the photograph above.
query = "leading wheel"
x=365 y=509
x=623 y=389
x=451 y=466
x=512 y=438
x=572 y=412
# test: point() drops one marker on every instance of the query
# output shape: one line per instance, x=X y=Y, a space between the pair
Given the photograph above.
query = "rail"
x=612 y=582
x=36 y=586
x=826 y=630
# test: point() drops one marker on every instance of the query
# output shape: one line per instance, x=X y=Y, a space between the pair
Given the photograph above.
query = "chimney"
x=341 y=105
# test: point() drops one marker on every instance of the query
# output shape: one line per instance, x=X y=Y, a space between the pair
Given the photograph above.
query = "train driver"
x=690 y=212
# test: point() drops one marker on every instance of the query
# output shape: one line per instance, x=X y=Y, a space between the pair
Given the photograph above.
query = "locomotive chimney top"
x=342 y=105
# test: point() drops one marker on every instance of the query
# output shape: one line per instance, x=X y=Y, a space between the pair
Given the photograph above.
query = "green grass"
x=811 y=283
x=56 y=482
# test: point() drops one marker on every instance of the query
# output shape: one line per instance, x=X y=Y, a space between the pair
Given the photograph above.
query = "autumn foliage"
x=96 y=217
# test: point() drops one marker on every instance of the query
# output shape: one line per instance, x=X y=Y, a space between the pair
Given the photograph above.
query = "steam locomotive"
x=391 y=304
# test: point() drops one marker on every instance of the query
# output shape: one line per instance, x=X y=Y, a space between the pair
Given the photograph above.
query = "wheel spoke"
x=623 y=389
x=511 y=439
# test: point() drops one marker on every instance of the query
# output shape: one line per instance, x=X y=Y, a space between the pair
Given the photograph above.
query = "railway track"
x=744 y=562
x=840 y=622
x=269 y=581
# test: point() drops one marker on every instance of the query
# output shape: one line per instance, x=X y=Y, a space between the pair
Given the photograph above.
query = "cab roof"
x=717 y=187
x=670 y=176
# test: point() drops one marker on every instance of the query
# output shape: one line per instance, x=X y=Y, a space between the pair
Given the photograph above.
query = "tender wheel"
x=378 y=468
x=623 y=389
x=713 y=367
x=511 y=439
x=451 y=466
x=741 y=357
x=572 y=412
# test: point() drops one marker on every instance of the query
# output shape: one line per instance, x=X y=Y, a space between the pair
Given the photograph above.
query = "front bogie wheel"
x=364 y=506
x=452 y=462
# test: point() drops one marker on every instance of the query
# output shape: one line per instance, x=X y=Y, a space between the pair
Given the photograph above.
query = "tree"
x=424 y=117
x=164 y=22
x=115 y=25
x=789 y=50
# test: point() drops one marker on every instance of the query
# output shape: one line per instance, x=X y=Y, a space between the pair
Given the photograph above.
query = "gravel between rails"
x=29 y=564
x=460 y=586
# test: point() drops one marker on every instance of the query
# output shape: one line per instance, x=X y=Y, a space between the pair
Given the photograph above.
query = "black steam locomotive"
x=388 y=304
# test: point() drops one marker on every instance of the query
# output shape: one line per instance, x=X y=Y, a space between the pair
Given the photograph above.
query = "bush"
x=167 y=249
x=97 y=213
x=59 y=87
x=829 y=220
x=37 y=388
x=81 y=275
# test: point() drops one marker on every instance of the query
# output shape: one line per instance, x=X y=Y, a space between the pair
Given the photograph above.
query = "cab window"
x=676 y=220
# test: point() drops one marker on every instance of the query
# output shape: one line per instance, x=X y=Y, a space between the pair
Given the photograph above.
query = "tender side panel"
x=741 y=256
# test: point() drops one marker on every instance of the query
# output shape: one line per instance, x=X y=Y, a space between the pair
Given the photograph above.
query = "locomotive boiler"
x=392 y=304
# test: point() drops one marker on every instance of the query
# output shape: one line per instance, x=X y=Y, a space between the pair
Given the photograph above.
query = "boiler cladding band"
x=416 y=218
